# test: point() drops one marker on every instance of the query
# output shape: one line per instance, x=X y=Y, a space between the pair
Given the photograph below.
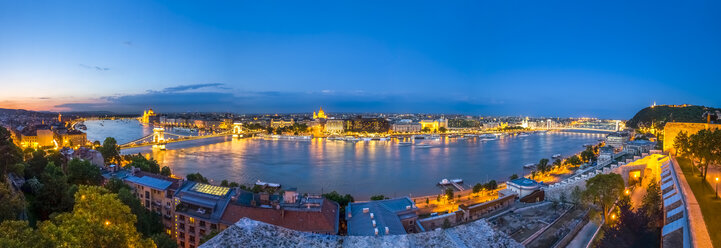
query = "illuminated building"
x=72 y=138
x=434 y=125
x=320 y=115
x=148 y=116
x=334 y=126
x=370 y=125
x=155 y=193
x=406 y=127
x=281 y=123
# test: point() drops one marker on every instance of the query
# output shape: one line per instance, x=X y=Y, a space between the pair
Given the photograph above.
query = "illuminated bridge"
x=159 y=138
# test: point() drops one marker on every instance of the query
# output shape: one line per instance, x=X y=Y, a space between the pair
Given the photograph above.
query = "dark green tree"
x=56 y=194
x=378 y=197
x=11 y=204
x=513 y=177
x=603 y=190
x=10 y=154
x=165 y=171
x=110 y=151
x=491 y=185
x=197 y=177
x=162 y=240
x=478 y=187
x=83 y=172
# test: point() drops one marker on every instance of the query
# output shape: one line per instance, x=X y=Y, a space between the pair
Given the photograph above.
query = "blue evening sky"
x=540 y=58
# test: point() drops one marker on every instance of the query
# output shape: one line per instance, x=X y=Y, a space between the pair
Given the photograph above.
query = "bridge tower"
x=159 y=138
x=237 y=129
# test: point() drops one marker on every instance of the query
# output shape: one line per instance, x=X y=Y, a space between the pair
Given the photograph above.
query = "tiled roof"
x=325 y=221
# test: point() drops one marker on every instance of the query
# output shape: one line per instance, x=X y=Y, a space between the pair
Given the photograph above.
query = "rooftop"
x=524 y=182
x=155 y=183
x=386 y=213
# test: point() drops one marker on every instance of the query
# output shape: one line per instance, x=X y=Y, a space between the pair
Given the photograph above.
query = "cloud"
x=128 y=43
x=216 y=98
x=97 y=68
x=181 y=88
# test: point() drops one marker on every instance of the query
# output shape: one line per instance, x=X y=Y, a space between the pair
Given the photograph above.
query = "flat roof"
x=210 y=189
x=150 y=182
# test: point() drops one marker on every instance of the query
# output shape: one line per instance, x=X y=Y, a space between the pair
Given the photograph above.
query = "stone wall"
x=673 y=128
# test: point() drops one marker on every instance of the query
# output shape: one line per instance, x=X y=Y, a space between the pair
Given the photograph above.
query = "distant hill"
x=661 y=114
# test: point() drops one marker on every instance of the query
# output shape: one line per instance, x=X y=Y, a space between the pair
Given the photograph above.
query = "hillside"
x=660 y=115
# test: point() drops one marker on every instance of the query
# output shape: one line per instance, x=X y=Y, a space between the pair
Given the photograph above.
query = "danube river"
x=362 y=168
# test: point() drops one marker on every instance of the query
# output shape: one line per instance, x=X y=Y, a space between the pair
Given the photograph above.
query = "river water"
x=361 y=168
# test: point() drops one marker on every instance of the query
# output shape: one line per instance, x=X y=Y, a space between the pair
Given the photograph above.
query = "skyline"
x=605 y=60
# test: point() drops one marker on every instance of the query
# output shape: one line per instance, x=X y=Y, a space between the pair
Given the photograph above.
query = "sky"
x=604 y=59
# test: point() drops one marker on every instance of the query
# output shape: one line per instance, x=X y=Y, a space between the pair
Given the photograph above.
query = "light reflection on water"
x=364 y=168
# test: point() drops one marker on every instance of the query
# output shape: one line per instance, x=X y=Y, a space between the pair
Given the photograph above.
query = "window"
x=192 y=238
x=181 y=217
x=191 y=220
x=182 y=244
x=147 y=194
x=181 y=235
x=202 y=232
x=192 y=229
x=213 y=226
x=182 y=226
x=147 y=203
x=202 y=223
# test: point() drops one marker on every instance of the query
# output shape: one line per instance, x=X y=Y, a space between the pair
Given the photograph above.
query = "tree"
x=651 y=204
x=543 y=165
x=98 y=219
x=11 y=204
x=224 y=183
x=603 y=190
x=197 y=177
x=342 y=200
x=513 y=177
x=576 y=195
x=233 y=184
x=162 y=240
x=631 y=230
x=378 y=197
x=15 y=233
x=449 y=194
x=704 y=146
x=148 y=165
x=10 y=154
x=426 y=130
x=36 y=164
x=208 y=236
x=56 y=194
x=491 y=185
x=442 y=129
x=557 y=163
x=682 y=144
x=114 y=185
x=83 y=172
x=587 y=155
x=165 y=171
x=110 y=150
x=147 y=222
x=478 y=187
x=574 y=160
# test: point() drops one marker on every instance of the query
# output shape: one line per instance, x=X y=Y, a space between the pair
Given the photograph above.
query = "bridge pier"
x=237 y=130
x=159 y=138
